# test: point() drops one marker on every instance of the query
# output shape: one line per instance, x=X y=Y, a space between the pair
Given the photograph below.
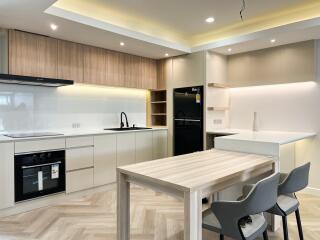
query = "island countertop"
x=277 y=137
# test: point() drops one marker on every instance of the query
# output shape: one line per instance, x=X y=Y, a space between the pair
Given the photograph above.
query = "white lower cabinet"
x=79 y=168
x=105 y=159
x=7 y=175
x=79 y=180
x=160 y=144
x=143 y=146
x=126 y=149
x=77 y=158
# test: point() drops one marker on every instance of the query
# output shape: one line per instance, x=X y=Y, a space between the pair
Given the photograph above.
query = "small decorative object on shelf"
x=217 y=108
x=217 y=85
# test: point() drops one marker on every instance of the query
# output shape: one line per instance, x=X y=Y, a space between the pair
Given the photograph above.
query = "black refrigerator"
x=188 y=120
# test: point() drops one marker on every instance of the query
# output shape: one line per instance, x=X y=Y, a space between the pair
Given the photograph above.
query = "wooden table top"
x=197 y=170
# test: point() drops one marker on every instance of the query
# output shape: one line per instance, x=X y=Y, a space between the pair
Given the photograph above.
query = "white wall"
x=44 y=108
x=285 y=107
x=216 y=72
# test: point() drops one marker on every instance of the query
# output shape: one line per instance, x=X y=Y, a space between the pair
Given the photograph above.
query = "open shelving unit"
x=158 y=108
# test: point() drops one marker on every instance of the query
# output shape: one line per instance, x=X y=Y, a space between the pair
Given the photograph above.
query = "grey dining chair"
x=224 y=217
x=287 y=201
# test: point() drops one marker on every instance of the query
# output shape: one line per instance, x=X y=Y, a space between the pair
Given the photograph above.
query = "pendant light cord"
x=242 y=8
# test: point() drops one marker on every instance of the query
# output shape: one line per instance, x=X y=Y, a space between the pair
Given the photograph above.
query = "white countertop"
x=277 y=137
x=74 y=133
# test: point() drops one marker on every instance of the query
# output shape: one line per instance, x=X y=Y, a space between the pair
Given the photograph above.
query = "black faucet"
x=122 y=124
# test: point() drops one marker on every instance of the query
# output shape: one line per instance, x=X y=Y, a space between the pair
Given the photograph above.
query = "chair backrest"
x=263 y=196
x=297 y=180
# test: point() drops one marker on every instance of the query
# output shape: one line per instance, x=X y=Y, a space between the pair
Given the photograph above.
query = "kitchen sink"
x=127 y=129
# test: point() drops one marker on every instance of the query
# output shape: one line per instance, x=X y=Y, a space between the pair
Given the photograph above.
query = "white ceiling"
x=188 y=16
x=184 y=16
x=20 y=14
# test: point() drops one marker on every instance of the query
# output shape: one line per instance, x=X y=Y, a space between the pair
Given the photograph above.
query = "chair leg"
x=299 y=224
x=265 y=235
x=285 y=228
x=221 y=237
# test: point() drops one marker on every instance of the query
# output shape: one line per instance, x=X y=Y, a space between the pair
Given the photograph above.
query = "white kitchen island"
x=280 y=145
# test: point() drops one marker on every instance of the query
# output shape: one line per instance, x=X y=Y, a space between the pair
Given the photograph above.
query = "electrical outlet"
x=75 y=125
x=217 y=121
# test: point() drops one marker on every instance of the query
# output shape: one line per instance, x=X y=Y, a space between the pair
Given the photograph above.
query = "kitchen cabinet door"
x=95 y=67
x=7 y=175
x=114 y=77
x=160 y=144
x=79 y=180
x=148 y=73
x=70 y=61
x=143 y=146
x=105 y=159
x=32 y=55
x=164 y=72
x=125 y=149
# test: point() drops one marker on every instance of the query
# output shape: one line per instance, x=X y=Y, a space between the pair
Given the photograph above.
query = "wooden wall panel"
x=70 y=61
x=282 y=64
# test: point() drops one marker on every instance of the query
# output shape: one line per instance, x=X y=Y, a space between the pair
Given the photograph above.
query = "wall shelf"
x=217 y=85
x=217 y=108
x=159 y=102
x=158 y=107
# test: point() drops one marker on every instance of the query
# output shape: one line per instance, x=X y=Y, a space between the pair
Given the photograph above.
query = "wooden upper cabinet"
x=41 y=56
x=114 y=74
x=164 y=71
x=32 y=55
x=70 y=61
x=95 y=65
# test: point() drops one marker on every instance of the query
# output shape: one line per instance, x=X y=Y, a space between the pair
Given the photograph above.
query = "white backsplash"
x=27 y=108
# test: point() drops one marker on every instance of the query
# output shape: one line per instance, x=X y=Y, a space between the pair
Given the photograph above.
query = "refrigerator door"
x=188 y=120
x=188 y=136
x=188 y=103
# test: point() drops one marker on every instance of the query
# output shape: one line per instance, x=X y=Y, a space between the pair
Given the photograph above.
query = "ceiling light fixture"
x=210 y=20
x=273 y=40
x=229 y=49
x=167 y=54
x=121 y=43
x=53 y=26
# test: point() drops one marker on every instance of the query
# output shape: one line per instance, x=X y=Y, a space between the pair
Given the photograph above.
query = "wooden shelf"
x=159 y=114
x=217 y=108
x=158 y=108
x=217 y=85
x=159 y=102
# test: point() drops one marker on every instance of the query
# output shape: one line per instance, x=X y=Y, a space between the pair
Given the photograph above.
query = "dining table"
x=191 y=178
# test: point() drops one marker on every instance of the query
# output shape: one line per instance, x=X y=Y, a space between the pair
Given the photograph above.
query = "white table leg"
x=192 y=216
x=123 y=207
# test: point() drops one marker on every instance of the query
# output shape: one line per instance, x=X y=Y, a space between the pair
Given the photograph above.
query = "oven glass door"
x=39 y=175
x=40 y=178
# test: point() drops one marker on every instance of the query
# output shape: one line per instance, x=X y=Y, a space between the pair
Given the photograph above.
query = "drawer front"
x=78 y=158
x=79 y=180
x=39 y=145
x=79 y=141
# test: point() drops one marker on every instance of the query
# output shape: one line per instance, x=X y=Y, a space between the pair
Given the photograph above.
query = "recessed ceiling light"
x=229 y=49
x=121 y=43
x=210 y=20
x=53 y=26
x=273 y=40
x=167 y=54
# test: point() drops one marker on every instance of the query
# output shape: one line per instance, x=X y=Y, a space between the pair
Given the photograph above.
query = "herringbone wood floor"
x=154 y=216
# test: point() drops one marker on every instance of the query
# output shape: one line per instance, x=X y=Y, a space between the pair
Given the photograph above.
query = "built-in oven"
x=39 y=174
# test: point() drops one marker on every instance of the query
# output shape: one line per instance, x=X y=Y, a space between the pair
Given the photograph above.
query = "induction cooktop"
x=32 y=134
